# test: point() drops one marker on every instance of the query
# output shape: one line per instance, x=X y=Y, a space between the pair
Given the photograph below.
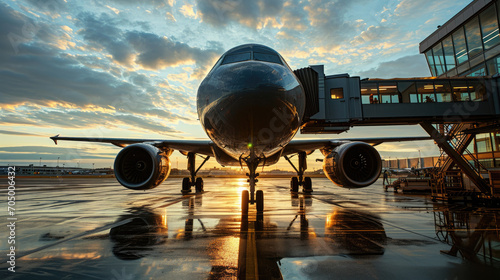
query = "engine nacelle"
x=353 y=165
x=141 y=166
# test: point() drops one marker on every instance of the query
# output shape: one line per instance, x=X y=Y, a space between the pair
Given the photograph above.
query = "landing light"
x=249 y=145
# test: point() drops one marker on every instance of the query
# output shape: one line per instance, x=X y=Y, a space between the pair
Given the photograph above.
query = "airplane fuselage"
x=251 y=104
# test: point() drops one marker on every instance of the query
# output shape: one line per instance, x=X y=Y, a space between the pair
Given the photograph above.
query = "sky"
x=131 y=69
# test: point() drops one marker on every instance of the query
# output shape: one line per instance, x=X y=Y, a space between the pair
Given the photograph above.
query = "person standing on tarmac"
x=386 y=178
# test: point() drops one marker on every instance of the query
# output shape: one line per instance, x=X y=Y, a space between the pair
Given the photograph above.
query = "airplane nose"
x=259 y=105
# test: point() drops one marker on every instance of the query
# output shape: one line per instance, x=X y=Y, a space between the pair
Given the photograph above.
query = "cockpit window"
x=236 y=57
x=268 y=57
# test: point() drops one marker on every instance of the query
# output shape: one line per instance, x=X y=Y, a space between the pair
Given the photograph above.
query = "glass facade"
x=496 y=141
x=472 y=50
x=489 y=28
x=439 y=63
x=486 y=147
x=473 y=36
x=430 y=61
x=493 y=65
x=449 y=55
x=483 y=143
x=460 y=46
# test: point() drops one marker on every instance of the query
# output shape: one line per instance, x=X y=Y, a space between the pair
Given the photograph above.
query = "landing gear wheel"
x=186 y=185
x=307 y=185
x=244 y=202
x=260 y=201
x=294 y=184
x=199 y=185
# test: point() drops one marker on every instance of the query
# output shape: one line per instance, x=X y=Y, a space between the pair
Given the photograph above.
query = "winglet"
x=54 y=138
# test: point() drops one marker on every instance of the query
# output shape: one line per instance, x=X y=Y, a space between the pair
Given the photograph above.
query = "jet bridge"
x=450 y=110
x=346 y=101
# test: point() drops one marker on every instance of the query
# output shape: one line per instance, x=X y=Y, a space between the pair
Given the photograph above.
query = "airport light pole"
x=57 y=161
x=40 y=161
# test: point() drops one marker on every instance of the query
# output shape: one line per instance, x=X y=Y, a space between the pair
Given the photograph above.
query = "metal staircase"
x=447 y=181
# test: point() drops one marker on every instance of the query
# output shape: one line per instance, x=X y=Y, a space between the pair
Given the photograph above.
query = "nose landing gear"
x=255 y=197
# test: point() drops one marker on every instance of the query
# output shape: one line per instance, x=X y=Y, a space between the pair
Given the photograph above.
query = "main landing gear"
x=188 y=182
x=305 y=182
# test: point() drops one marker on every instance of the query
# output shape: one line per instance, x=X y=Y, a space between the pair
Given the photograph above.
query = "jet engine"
x=352 y=165
x=142 y=166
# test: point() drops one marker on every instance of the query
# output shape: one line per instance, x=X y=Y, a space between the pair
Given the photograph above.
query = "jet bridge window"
x=389 y=93
x=369 y=93
x=237 y=57
x=267 y=57
x=337 y=93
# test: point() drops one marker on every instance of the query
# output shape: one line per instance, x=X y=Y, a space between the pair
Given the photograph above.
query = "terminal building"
x=468 y=45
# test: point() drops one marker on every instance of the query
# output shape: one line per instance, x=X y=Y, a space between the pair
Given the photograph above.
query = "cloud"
x=329 y=21
x=155 y=3
x=52 y=8
x=188 y=11
x=294 y=16
x=102 y=33
x=147 y=50
x=84 y=120
x=9 y=132
x=41 y=74
x=374 y=34
x=156 y=52
x=249 y=13
x=34 y=153
x=411 y=8
x=404 y=67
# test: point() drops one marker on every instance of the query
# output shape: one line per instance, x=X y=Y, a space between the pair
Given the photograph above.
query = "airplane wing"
x=296 y=146
x=195 y=146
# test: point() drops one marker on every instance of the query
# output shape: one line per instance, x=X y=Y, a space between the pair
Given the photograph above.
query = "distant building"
x=409 y=163
x=55 y=170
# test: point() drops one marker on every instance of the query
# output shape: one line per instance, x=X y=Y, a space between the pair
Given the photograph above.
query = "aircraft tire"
x=308 y=184
x=244 y=202
x=199 y=184
x=260 y=201
x=294 y=184
x=186 y=185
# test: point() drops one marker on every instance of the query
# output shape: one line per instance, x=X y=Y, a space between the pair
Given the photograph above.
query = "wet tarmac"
x=96 y=229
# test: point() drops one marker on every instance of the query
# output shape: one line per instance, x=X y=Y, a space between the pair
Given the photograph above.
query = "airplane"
x=251 y=105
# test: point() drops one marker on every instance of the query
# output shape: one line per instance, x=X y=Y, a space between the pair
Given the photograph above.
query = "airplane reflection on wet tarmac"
x=347 y=232
x=163 y=235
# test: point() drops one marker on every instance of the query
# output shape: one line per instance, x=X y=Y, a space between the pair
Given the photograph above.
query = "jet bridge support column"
x=442 y=142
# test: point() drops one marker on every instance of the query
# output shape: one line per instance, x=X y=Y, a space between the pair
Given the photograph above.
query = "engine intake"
x=353 y=165
x=141 y=166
